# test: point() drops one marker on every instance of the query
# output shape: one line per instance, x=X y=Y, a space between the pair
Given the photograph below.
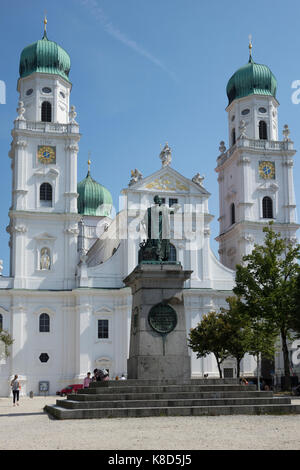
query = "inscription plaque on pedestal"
x=162 y=318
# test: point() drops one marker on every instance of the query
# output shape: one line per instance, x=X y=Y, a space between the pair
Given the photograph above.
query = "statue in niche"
x=45 y=262
x=157 y=226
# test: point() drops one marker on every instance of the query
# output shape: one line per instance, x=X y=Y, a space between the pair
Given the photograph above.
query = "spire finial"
x=250 y=47
x=45 y=25
x=89 y=163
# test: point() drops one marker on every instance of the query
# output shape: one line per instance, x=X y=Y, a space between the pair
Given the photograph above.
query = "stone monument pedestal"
x=158 y=338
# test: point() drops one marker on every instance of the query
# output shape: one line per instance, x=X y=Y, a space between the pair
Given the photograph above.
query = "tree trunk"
x=238 y=367
x=286 y=360
x=258 y=374
x=219 y=366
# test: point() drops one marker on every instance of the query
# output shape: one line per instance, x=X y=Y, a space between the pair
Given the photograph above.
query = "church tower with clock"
x=43 y=224
x=255 y=174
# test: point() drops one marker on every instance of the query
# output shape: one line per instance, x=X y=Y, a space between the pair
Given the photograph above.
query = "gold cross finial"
x=89 y=162
x=250 y=45
x=45 y=25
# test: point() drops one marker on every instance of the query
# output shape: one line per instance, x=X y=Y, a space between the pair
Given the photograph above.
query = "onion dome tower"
x=251 y=79
x=44 y=164
x=255 y=174
x=251 y=93
x=94 y=199
x=45 y=56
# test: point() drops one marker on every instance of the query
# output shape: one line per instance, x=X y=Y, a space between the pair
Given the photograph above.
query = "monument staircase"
x=168 y=397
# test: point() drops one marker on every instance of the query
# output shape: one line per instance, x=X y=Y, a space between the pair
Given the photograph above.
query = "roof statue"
x=165 y=155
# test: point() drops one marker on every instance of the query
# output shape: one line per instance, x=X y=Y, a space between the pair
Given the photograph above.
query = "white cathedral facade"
x=64 y=302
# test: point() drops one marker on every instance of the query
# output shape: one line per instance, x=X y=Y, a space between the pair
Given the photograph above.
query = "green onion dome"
x=45 y=56
x=94 y=199
x=251 y=79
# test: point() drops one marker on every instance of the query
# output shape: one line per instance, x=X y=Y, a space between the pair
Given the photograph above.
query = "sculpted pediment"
x=166 y=182
x=169 y=180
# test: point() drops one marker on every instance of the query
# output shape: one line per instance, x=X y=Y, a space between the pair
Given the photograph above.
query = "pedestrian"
x=243 y=381
x=123 y=377
x=15 y=386
x=87 y=380
x=96 y=377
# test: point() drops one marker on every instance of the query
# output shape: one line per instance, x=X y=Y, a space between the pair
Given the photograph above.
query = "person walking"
x=87 y=380
x=15 y=386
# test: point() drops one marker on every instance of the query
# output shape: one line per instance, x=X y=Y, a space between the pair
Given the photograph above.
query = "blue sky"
x=149 y=71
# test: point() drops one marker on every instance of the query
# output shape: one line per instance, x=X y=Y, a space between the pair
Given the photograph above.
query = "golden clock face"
x=46 y=154
x=267 y=170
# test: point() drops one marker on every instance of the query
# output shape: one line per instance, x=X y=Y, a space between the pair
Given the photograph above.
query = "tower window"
x=44 y=357
x=46 y=194
x=232 y=213
x=44 y=323
x=103 y=329
x=267 y=206
x=233 y=139
x=46 y=111
x=172 y=202
x=173 y=254
x=1 y=322
x=263 y=130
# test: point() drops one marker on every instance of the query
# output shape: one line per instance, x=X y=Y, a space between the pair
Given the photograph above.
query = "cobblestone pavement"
x=28 y=427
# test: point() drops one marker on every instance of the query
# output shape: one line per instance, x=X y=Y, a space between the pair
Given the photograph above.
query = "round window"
x=46 y=90
x=62 y=94
x=262 y=110
x=245 y=111
x=29 y=92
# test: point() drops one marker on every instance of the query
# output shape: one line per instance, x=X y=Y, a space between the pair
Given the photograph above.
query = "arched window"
x=263 y=134
x=1 y=322
x=267 y=206
x=46 y=194
x=46 y=111
x=173 y=254
x=233 y=139
x=44 y=323
x=232 y=214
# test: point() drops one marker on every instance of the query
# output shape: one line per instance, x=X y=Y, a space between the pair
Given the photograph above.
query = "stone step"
x=155 y=382
x=168 y=395
x=63 y=413
x=71 y=404
x=165 y=388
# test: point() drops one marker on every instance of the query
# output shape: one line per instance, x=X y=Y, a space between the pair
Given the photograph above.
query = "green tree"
x=266 y=282
x=245 y=334
x=6 y=341
x=296 y=320
x=209 y=336
x=238 y=330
